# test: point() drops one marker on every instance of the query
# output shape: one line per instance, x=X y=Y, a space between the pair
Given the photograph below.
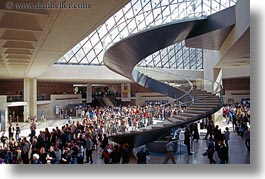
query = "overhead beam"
x=23 y=36
x=18 y=51
x=34 y=13
x=18 y=44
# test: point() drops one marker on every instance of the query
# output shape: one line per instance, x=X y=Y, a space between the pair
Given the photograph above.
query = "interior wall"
x=135 y=88
x=49 y=88
x=49 y=109
x=236 y=89
x=236 y=84
x=11 y=87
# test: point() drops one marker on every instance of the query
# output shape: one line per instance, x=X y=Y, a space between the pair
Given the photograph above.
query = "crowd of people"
x=239 y=115
x=76 y=141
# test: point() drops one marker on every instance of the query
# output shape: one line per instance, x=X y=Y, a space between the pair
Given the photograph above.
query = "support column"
x=217 y=75
x=30 y=96
x=89 y=93
x=211 y=58
x=3 y=114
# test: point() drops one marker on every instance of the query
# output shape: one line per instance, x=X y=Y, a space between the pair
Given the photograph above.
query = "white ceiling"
x=33 y=39
x=237 y=54
x=81 y=74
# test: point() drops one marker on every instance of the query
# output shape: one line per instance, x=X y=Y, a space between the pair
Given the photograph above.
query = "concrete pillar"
x=89 y=93
x=214 y=75
x=217 y=78
x=3 y=113
x=30 y=96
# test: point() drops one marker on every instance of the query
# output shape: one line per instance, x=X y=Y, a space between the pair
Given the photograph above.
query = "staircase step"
x=184 y=118
x=205 y=105
x=157 y=126
x=201 y=108
x=204 y=97
x=175 y=121
x=214 y=101
x=207 y=97
x=196 y=111
x=167 y=123
x=189 y=114
x=200 y=92
x=147 y=128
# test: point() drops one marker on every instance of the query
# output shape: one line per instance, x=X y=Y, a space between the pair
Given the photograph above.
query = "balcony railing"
x=15 y=98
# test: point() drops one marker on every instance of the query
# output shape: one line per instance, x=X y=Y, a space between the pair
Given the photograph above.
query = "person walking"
x=89 y=149
x=246 y=138
x=11 y=132
x=33 y=127
x=187 y=136
x=170 y=151
x=226 y=136
x=222 y=152
x=17 y=132
x=210 y=151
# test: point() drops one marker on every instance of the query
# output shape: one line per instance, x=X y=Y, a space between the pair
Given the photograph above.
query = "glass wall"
x=140 y=15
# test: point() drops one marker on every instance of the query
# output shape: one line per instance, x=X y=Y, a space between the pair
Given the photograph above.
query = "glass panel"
x=132 y=26
x=172 y=61
x=144 y=14
x=87 y=47
x=140 y=21
x=84 y=61
x=166 y=15
x=149 y=19
x=100 y=57
x=149 y=61
x=157 y=16
x=62 y=60
x=83 y=41
x=148 y=7
x=76 y=48
x=68 y=55
x=110 y=23
x=102 y=31
x=126 y=8
x=94 y=39
x=90 y=56
x=73 y=60
x=157 y=61
x=79 y=55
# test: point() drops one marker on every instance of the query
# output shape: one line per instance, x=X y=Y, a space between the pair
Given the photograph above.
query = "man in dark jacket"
x=141 y=156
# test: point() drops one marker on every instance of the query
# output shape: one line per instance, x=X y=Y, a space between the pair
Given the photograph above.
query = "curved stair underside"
x=124 y=55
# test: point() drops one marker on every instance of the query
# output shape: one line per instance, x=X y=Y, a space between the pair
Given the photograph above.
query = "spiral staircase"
x=123 y=56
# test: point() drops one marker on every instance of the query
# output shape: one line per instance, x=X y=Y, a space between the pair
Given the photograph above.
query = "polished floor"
x=238 y=153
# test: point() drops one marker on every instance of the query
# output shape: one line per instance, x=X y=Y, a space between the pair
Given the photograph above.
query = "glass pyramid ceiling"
x=139 y=15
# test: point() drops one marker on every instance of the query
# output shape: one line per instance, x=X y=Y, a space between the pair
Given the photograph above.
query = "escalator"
x=98 y=101
x=108 y=102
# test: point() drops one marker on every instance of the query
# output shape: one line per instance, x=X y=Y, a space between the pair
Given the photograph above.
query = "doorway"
x=16 y=114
